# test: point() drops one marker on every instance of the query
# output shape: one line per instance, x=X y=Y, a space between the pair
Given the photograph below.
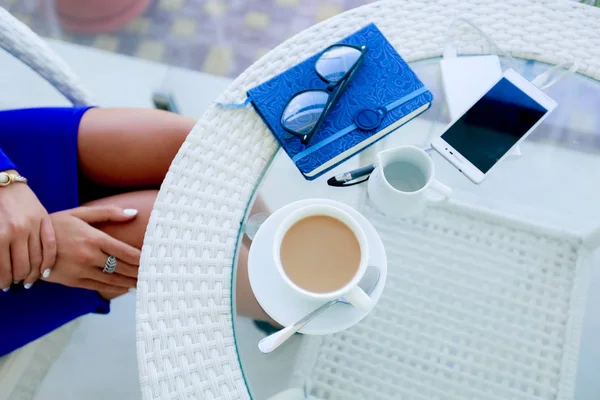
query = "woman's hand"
x=83 y=250
x=27 y=241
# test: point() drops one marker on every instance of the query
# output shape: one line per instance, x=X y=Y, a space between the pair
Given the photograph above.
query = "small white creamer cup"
x=398 y=203
x=350 y=291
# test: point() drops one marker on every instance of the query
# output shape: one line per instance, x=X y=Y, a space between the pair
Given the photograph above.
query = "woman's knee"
x=132 y=232
x=127 y=147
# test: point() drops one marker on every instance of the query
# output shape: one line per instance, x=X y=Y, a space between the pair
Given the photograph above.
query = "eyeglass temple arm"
x=332 y=99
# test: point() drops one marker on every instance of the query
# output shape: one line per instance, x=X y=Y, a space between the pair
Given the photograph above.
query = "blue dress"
x=42 y=145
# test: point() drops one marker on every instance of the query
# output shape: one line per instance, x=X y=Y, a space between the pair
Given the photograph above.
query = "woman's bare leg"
x=132 y=148
x=246 y=303
x=133 y=233
x=129 y=147
x=259 y=207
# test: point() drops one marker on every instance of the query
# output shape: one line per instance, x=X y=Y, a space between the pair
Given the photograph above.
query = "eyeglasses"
x=306 y=110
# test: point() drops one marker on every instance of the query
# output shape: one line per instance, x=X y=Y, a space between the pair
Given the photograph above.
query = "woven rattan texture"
x=474 y=307
x=24 y=44
x=185 y=339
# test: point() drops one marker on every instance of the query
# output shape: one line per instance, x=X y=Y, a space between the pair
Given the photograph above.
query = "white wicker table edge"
x=185 y=340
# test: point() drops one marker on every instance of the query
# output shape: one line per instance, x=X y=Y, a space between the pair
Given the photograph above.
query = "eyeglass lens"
x=304 y=110
x=336 y=62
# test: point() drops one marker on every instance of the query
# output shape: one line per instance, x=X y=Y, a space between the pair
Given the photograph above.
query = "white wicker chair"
x=22 y=371
x=186 y=345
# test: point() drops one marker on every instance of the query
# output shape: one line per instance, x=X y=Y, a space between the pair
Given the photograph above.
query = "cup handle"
x=442 y=189
x=359 y=299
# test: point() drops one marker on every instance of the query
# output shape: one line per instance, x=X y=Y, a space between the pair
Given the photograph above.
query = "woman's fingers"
x=126 y=269
x=19 y=254
x=48 y=239
x=35 y=251
x=97 y=214
x=35 y=258
x=120 y=250
x=41 y=247
x=100 y=286
x=114 y=279
x=5 y=271
x=123 y=268
x=5 y=262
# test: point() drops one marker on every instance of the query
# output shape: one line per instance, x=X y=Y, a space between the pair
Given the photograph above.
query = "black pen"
x=346 y=178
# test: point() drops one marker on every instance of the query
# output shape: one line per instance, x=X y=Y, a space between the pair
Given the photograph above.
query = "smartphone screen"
x=494 y=124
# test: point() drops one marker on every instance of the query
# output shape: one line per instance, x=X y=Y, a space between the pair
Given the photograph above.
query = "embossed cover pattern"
x=383 y=77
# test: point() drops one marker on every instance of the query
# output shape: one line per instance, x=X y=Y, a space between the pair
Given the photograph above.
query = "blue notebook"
x=383 y=80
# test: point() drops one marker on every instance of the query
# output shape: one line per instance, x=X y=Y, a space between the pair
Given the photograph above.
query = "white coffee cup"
x=350 y=291
x=399 y=185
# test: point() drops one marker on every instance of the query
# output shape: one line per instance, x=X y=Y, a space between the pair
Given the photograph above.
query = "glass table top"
x=554 y=182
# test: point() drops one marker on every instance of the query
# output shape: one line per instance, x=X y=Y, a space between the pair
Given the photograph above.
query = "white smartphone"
x=502 y=117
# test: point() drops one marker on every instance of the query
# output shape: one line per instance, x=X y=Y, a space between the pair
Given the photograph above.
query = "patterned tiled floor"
x=221 y=37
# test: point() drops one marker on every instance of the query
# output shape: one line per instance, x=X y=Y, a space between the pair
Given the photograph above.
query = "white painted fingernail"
x=6 y=289
x=16 y=282
x=46 y=273
x=28 y=285
x=130 y=212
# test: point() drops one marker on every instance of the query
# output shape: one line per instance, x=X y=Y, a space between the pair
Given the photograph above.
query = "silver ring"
x=110 y=266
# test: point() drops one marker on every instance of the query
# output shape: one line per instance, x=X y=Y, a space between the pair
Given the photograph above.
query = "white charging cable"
x=449 y=50
x=542 y=81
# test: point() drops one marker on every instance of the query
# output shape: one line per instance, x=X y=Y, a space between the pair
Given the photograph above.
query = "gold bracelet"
x=6 y=179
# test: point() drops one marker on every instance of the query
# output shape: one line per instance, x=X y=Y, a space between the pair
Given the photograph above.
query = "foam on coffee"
x=320 y=254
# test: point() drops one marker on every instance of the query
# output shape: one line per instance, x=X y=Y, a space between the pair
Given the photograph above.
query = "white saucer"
x=286 y=306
